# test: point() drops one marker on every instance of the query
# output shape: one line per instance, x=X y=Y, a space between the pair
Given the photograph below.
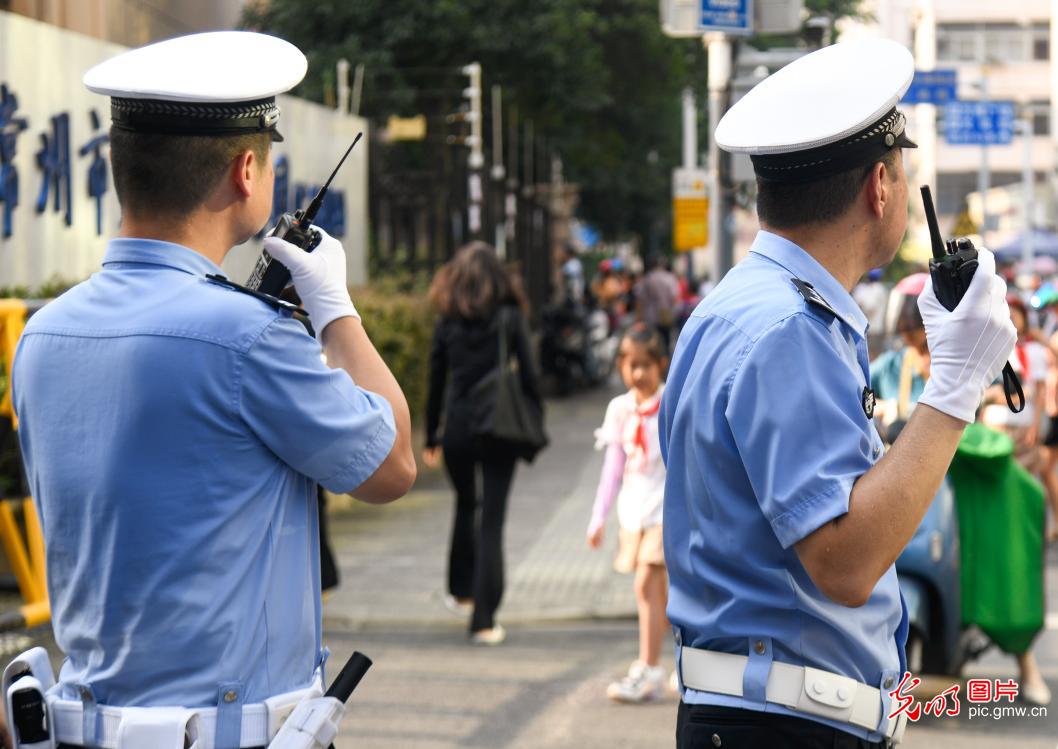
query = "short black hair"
x=786 y=205
x=171 y=175
x=649 y=338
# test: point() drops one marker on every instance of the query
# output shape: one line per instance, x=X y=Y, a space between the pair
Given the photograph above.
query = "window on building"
x=1041 y=41
x=1005 y=42
x=958 y=42
x=992 y=42
x=1040 y=112
x=953 y=187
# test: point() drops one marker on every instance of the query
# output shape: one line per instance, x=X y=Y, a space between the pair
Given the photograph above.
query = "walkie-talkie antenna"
x=314 y=206
x=931 y=221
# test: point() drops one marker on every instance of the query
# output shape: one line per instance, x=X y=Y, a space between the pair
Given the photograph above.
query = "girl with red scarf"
x=634 y=475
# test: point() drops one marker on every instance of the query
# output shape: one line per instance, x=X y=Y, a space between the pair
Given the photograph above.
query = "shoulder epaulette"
x=268 y=299
x=812 y=296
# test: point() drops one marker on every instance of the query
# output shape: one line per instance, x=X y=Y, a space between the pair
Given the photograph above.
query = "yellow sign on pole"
x=406 y=128
x=690 y=209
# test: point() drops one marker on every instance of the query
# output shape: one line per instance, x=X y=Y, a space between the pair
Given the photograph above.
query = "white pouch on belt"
x=158 y=727
x=312 y=725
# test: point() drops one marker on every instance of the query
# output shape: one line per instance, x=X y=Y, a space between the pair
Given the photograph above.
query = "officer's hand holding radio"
x=969 y=345
x=318 y=276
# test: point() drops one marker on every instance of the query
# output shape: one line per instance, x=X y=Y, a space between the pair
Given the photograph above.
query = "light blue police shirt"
x=764 y=433
x=174 y=431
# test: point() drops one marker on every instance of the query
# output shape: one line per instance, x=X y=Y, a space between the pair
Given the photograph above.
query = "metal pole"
x=984 y=175
x=1028 y=179
x=358 y=88
x=1054 y=110
x=690 y=130
x=343 y=86
x=498 y=172
x=719 y=77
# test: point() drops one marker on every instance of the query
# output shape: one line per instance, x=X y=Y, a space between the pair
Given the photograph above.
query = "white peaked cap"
x=823 y=113
x=219 y=66
x=214 y=83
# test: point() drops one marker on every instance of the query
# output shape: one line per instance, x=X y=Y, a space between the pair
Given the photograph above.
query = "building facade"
x=1000 y=52
x=131 y=23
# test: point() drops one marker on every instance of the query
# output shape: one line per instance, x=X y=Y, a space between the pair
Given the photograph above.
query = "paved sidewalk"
x=393 y=558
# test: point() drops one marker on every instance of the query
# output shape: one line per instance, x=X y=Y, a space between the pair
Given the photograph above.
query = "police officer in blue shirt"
x=783 y=518
x=175 y=429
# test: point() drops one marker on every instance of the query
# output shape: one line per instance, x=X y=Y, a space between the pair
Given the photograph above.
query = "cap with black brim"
x=219 y=83
x=823 y=114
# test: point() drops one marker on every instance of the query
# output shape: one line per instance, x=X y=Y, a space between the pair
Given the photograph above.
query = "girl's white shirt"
x=642 y=495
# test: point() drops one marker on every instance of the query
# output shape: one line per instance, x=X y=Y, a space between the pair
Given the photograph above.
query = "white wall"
x=43 y=65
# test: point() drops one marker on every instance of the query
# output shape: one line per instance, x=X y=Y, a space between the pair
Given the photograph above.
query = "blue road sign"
x=730 y=16
x=932 y=87
x=979 y=123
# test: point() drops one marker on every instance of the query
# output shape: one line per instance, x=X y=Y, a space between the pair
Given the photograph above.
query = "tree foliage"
x=597 y=78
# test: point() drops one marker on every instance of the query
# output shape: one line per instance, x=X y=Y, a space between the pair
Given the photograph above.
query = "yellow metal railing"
x=25 y=551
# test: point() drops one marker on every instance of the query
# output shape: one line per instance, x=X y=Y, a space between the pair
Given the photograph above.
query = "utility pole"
x=926 y=114
x=498 y=172
x=1052 y=209
x=1028 y=179
x=719 y=48
x=358 y=88
x=690 y=129
x=343 y=86
x=984 y=174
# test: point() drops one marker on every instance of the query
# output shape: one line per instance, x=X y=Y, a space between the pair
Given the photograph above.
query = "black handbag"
x=506 y=414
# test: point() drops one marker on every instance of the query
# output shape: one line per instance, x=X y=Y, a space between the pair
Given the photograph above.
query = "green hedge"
x=400 y=322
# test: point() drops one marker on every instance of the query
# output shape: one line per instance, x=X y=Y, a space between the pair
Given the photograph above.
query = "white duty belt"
x=142 y=727
x=122 y=727
x=801 y=688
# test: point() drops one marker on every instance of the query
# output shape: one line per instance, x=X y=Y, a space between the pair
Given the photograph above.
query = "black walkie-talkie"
x=270 y=276
x=952 y=268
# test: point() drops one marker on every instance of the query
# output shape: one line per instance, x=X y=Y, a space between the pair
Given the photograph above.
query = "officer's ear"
x=878 y=189
x=246 y=173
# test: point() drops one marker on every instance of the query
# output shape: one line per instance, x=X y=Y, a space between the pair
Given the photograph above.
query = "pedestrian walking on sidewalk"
x=783 y=514
x=634 y=474
x=477 y=300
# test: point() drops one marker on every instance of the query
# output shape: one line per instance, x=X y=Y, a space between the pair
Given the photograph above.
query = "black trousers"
x=475 y=557
x=711 y=727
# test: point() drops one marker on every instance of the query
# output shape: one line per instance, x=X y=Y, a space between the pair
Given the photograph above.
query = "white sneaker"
x=635 y=669
x=647 y=685
x=1036 y=693
x=493 y=636
x=458 y=606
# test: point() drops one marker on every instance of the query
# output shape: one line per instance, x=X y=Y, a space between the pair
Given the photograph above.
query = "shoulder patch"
x=271 y=301
x=812 y=296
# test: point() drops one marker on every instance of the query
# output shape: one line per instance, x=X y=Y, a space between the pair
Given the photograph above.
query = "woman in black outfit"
x=473 y=294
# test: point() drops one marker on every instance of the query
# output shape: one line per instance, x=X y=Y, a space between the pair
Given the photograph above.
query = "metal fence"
x=421 y=216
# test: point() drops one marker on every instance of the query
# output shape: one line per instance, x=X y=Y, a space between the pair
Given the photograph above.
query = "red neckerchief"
x=1023 y=359
x=650 y=408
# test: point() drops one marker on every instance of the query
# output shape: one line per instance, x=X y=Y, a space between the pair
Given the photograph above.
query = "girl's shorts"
x=639 y=547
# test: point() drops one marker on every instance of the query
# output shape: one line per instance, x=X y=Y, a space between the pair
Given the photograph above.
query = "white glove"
x=318 y=276
x=312 y=725
x=968 y=346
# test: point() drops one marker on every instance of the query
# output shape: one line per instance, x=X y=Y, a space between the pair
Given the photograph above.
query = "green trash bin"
x=1001 y=510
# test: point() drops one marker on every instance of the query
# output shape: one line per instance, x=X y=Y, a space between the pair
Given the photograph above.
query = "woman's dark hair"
x=474 y=284
x=649 y=338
